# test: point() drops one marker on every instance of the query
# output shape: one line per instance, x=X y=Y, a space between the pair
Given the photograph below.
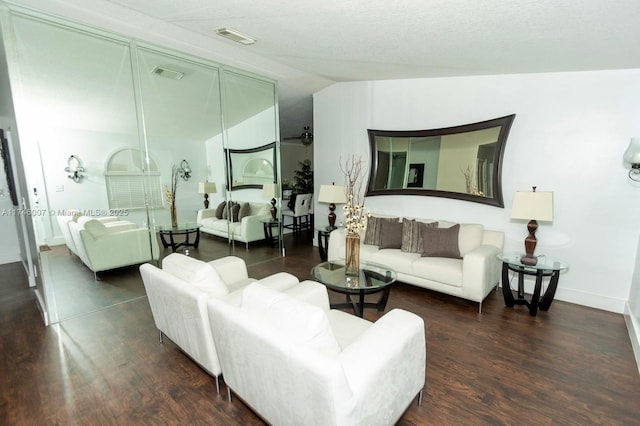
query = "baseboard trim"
x=633 y=326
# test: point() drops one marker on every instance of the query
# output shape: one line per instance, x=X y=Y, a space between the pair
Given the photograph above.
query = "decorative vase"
x=352 y=255
x=174 y=215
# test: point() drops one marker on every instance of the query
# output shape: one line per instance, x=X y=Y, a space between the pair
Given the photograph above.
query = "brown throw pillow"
x=412 y=235
x=440 y=242
x=245 y=210
x=219 y=209
x=390 y=234
x=235 y=212
x=372 y=233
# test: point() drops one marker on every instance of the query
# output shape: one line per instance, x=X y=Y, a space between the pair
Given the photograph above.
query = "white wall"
x=568 y=137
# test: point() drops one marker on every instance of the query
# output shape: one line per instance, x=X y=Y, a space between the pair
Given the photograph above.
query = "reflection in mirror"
x=252 y=168
x=461 y=162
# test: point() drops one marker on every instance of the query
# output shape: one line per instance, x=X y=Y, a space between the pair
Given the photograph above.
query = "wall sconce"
x=206 y=188
x=75 y=169
x=632 y=156
x=185 y=170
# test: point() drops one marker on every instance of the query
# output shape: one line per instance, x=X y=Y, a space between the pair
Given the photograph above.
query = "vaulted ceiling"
x=307 y=45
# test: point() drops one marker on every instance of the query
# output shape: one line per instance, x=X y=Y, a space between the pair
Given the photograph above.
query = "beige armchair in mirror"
x=462 y=162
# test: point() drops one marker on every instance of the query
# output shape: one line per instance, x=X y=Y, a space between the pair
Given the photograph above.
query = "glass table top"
x=182 y=227
x=544 y=262
x=371 y=276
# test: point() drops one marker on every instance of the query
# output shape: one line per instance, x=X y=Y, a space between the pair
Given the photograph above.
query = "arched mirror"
x=462 y=162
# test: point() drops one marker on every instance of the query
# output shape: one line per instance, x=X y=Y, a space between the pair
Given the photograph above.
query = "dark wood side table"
x=323 y=240
x=545 y=267
x=268 y=225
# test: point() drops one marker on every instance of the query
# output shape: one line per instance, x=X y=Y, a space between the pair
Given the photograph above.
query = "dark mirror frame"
x=229 y=153
x=495 y=200
x=8 y=170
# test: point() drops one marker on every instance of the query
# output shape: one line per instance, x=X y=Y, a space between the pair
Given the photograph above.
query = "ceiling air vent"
x=168 y=73
x=235 y=36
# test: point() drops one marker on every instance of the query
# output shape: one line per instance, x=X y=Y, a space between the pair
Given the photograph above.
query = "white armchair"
x=178 y=295
x=317 y=366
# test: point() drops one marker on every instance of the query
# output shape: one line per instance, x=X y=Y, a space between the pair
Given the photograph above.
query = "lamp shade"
x=207 y=188
x=332 y=194
x=532 y=205
x=270 y=190
x=632 y=154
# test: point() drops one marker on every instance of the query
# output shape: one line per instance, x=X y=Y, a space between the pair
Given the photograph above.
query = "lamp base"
x=274 y=210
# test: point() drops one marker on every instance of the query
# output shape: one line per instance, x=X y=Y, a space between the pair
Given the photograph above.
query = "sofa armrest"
x=252 y=228
x=387 y=382
x=337 y=244
x=480 y=271
x=231 y=269
x=205 y=213
x=311 y=292
x=119 y=248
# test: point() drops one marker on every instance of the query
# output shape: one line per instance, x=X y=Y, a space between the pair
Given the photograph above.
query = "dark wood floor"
x=569 y=366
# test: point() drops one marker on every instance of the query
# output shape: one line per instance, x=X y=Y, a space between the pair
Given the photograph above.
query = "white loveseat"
x=299 y=363
x=471 y=277
x=178 y=295
x=247 y=229
x=104 y=244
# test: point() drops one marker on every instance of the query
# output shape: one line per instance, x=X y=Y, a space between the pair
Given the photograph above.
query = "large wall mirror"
x=252 y=168
x=462 y=162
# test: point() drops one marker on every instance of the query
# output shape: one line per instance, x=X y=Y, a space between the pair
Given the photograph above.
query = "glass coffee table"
x=185 y=229
x=372 y=278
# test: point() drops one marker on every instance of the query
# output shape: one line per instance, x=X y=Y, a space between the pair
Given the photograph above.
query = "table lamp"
x=206 y=188
x=533 y=206
x=333 y=195
x=271 y=190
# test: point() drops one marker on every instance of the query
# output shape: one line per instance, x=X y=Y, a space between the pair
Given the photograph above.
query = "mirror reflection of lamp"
x=271 y=190
x=185 y=170
x=75 y=169
x=333 y=195
x=533 y=206
x=206 y=188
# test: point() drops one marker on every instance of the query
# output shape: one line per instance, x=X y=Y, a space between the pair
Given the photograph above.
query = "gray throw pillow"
x=235 y=212
x=245 y=210
x=372 y=232
x=440 y=242
x=220 y=209
x=412 y=235
x=390 y=234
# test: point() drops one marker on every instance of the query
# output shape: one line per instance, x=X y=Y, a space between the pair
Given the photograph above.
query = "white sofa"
x=299 y=363
x=470 y=277
x=112 y=244
x=178 y=294
x=247 y=229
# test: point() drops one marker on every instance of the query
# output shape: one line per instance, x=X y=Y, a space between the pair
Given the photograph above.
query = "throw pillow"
x=195 y=272
x=412 y=235
x=235 y=212
x=95 y=228
x=220 y=209
x=390 y=234
x=245 y=210
x=440 y=242
x=372 y=232
x=301 y=321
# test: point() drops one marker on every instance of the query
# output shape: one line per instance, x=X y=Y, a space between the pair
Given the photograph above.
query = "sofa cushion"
x=412 y=236
x=220 y=209
x=390 y=234
x=440 y=242
x=235 y=212
x=303 y=322
x=195 y=272
x=372 y=232
x=245 y=210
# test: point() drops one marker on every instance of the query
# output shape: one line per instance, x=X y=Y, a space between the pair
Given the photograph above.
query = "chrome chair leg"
x=159 y=336
x=228 y=393
x=420 y=396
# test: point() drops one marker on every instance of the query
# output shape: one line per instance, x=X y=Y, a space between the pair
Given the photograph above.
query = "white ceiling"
x=307 y=45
